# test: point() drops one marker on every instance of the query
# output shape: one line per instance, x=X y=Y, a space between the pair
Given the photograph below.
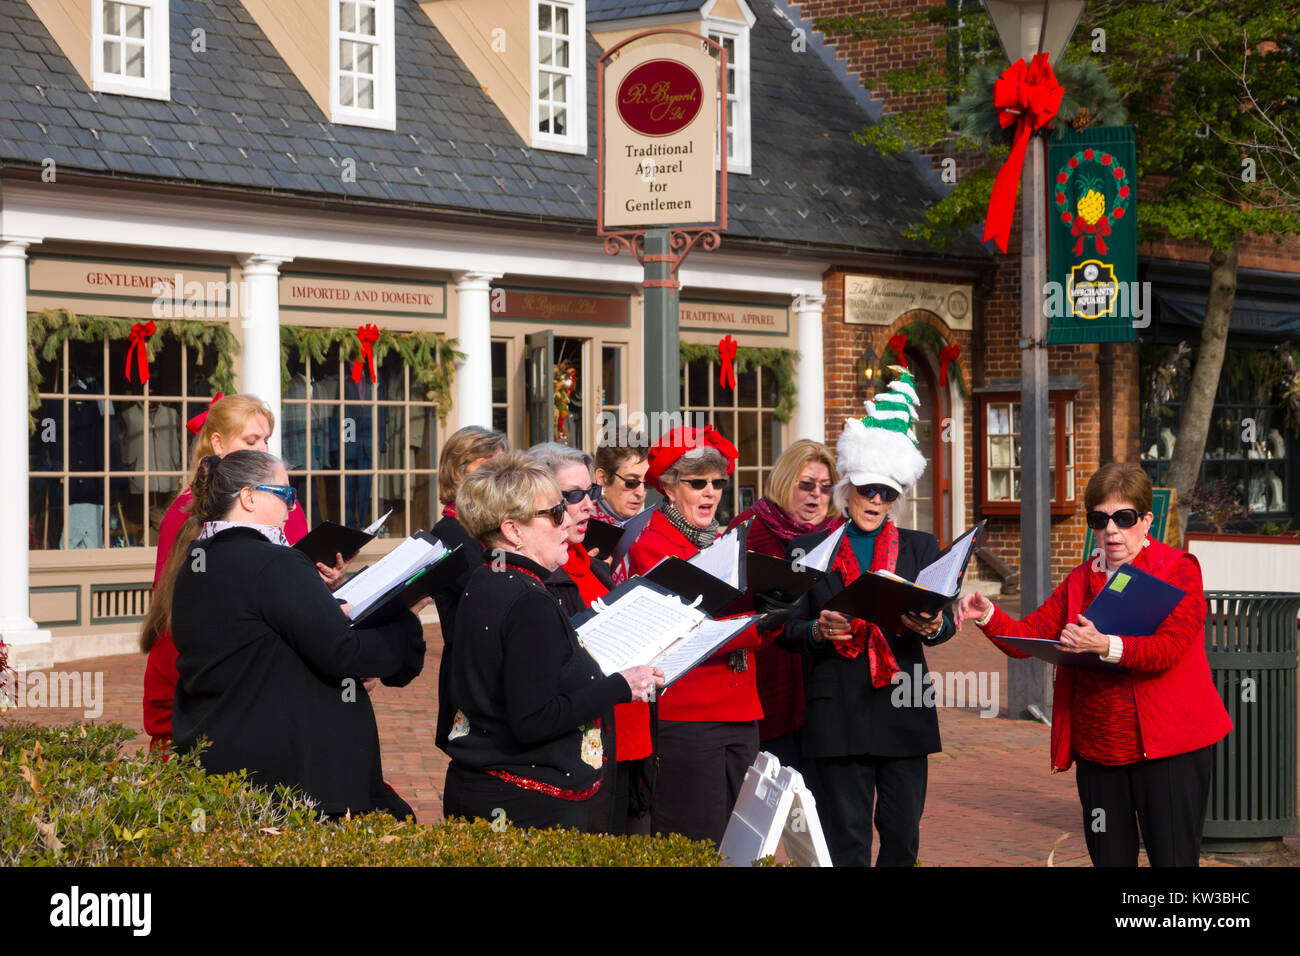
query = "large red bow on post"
x=946 y=355
x=140 y=334
x=367 y=335
x=896 y=345
x=1029 y=97
x=195 y=424
x=726 y=359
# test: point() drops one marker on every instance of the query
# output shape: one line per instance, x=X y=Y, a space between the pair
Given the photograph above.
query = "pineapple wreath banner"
x=1092 y=236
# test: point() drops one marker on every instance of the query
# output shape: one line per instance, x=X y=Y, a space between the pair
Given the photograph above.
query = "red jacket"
x=160 y=676
x=1178 y=708
x=712 y=690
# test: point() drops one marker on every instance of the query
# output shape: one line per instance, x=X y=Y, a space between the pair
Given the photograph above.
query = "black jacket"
x=524 y=682
x=845 y=715
x=270 y=671
x=451 y=533
x=566 y=590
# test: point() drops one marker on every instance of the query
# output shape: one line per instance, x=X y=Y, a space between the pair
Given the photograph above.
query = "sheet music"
x=399 y=564
x=820 y=557
x=635 y=628
x=374 y=528
x=942 y=576
x=706 y=637
x=722 y=559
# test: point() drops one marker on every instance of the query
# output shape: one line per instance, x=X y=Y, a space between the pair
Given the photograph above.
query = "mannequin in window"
x=86 y=453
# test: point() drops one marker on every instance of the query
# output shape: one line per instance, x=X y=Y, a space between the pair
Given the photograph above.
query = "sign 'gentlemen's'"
x=660 y=125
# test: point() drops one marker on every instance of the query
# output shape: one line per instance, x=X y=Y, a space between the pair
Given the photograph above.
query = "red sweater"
x=1176 y=707
x=711 y=690
x=160 y=676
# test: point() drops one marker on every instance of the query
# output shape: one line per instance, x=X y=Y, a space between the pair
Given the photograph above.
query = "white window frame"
x=575 y=141
x=739 y=160
x=156 y=84
x=384 y=113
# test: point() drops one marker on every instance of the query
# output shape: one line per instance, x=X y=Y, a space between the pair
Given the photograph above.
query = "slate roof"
x=238 y=117
x=600 y=10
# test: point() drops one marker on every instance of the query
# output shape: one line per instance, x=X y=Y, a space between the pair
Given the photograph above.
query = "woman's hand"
x=833 y=626
x=924 y=626
x=972 y=607
x=419 y=605
x=1082 y=638
x=643 y=681
x=346 y=609
x=333 y=577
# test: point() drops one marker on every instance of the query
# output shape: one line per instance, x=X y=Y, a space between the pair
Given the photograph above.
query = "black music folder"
x=327 y=539
x=602 y=535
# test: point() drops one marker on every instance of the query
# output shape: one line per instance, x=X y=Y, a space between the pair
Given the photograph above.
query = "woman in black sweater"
x=271 y=672
x=526 y=741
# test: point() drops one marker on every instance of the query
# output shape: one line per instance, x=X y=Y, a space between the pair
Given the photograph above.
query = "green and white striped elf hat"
x=882 y=447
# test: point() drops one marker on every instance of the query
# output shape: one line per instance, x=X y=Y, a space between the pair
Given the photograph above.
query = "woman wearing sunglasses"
x=707 y=727
x=1140 y=738
x=620 y=470
x=869 y=753
x=526 y=738
x=271 y=671
x=798 y=502
x=230 y=423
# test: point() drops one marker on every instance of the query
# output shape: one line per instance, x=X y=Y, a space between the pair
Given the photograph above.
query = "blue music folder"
x=1133 y=603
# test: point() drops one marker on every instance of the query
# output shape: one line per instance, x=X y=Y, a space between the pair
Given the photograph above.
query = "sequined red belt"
x=546 y=788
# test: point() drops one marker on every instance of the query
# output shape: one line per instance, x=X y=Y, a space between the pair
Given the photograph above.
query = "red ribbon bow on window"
x=947 y=354
x=367 y=335
x=896 y=345
x=726 y=359
x=1028 y=97
x=140 y=334
x=195 y=424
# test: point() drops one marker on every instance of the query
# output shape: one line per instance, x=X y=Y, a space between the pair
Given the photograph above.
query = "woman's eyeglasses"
x=699 y=484
x=1124 y=518
x=286 y=493
x=631 y=484
x=883 y=492
x=809 y=486
x=555 y=513
x=574 y=495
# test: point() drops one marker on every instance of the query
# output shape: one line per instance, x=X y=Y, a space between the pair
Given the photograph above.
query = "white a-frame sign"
x=774 y=803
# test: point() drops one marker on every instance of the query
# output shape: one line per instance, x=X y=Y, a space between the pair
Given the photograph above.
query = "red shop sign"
x=660 y=97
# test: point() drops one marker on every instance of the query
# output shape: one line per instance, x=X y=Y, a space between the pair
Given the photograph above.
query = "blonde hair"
x=463 y=448
x=227 y=418
x=504 y=488
x=786 y=471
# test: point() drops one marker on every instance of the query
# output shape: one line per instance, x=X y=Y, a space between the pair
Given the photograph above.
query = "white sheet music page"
x=820 y=557
x=636 y=628
x=722 y=559
x=374 y=528
x=396 y=565
x=942 y=575
x=701 y=642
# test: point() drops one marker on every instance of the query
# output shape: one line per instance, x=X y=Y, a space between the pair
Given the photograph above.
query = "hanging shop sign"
x=873 y=300
x=1092 y=293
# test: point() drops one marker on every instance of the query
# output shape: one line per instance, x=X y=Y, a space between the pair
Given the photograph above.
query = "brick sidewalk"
x=991 y=798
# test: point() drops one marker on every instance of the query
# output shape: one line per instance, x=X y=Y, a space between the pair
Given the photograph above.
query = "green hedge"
x=73 y=797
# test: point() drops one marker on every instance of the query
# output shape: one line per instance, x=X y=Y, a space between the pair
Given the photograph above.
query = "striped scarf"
x=700 y=537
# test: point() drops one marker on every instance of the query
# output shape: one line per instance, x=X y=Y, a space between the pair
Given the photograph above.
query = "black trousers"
x=471 y=794
x=698 y=774
x=788 y=749
x=1163 y=798
x=849 y=788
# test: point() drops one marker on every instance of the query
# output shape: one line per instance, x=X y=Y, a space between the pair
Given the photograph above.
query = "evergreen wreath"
x=777 y=362
x=927 y=337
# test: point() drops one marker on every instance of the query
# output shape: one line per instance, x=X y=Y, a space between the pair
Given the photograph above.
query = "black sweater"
x=523 y=681
x=451 y=533
x=270 y=671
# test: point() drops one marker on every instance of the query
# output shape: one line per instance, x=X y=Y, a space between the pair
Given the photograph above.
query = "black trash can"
x=1250 y=639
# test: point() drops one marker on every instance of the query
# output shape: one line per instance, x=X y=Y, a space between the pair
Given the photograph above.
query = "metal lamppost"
x=1025 y=28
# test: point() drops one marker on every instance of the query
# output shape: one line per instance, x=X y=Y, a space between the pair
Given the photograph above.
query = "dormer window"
x=558 y=114
x=129 y=48
x=362 y=76
x=734 y=38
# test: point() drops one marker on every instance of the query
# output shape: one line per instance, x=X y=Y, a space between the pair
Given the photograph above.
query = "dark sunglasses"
x=575 y=495
x=555 y=513
x=824 y=487
x=286 y=493
x=699 y=484
x=631 y=484
x=883 y=492
x=1124 y=518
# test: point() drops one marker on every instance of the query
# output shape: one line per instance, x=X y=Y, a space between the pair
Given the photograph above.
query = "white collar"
x=269 y=531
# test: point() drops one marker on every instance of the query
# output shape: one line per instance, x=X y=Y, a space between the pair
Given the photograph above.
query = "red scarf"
x=880 y=658
x=578 y=566
x=449 y=511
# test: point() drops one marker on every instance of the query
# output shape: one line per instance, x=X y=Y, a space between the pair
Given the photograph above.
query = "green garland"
x=48 y=330
x=432 y=356
x=778 y=362
x=927 y=337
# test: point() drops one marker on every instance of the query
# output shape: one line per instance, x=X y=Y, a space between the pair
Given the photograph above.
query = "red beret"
x=664 y=453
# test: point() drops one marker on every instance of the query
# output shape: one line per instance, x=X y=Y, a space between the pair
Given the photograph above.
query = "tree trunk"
x=1189 y=448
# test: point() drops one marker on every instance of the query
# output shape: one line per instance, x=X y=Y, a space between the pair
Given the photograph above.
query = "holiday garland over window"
x=431 y=356
x=49 y=329
x=777 y=362
x=927 y=338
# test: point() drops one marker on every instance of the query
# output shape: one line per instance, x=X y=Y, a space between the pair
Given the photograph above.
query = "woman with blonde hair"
x=230 y=423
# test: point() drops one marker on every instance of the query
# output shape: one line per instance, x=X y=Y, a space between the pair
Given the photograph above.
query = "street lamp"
x=869 y=365
x=1025 y=28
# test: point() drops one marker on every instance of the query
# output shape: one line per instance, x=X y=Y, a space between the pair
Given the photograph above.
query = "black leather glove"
x=773 y=611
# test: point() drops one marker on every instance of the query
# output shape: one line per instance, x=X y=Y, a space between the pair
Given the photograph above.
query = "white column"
x=474 y=335
x=260 y=300
x=31 y=646
x=810 y=407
